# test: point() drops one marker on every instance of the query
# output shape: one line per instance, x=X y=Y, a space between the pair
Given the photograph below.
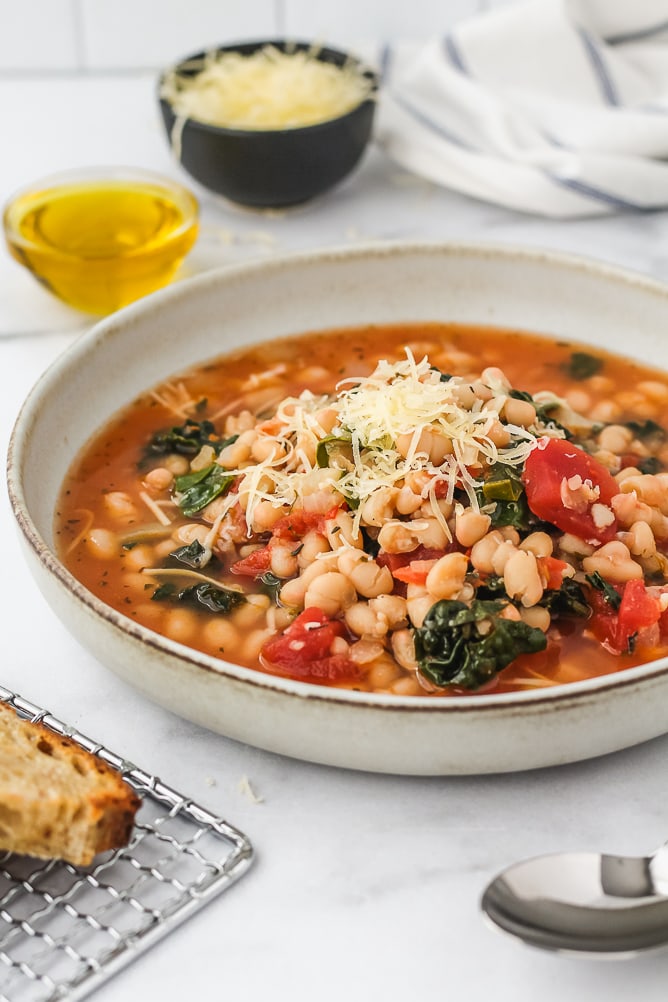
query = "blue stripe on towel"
x=572 y=184
x=432 y=124
x=454 y=54
x=598 y=194
x=386 y=56
x=636 y=36
x=605 y=81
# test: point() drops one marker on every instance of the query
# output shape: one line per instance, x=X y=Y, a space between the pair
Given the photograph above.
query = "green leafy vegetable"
x=195 y=491
x=515 y=513
x=502 y=484
x=194 y=555
x=650 y=464
x=648 y=431
x=582 y=365
x=610 y=594
x=522 y=395
x=202 y=596
x=543 y=412
x=370 y=543
x=271 y=585
x=210 y=597
x=490 y=587
x=568 y=600
x=467 y=646
x=334 y=452
x=185 y=439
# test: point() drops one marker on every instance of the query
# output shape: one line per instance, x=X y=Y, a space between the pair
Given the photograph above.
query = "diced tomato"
x=552 y=571
x=629 y=459
x=295 y=525
x=304 y=650
x=414 y=573
x=255 y=564
x=395 y=561
x=603 y=623
x=663 y=625
x=441 y=488
x=638 y=610
x=547 y=466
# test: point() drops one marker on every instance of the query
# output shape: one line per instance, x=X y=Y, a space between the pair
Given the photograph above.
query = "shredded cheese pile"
x=268 y=89
x=408 y=399
x=398 y=401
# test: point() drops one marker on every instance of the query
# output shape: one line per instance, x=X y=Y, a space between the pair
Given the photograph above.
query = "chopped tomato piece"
x=552 y=473
x=603 y=623
x=629 y=459
x=255 y=564
x=295 y=525
x=414 y=573
x=552 y=572
x=395 y=561
x=637 y=611
x=304 y=650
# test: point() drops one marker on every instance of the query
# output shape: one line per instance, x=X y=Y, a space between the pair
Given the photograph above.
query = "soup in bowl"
x=401 y=509
x=394 y=533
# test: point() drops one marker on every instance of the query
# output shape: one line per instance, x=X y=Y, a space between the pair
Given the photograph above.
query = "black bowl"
x=278 y=167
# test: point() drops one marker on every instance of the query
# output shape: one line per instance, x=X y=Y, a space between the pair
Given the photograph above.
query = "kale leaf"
x=582 y=365
x=610 y=594
x=271 y=585
x=647 y=431
x=566 y=601
x=212 y=598
x=202 y=596
x=194 y=556
x=185 y=439
x=543 y=412
x=467 y=646
x=490 y=586
x=650 y=464
x=335 y=452
x=196 y=490
x=503 y=483
x=503 y=486
x=515 y=513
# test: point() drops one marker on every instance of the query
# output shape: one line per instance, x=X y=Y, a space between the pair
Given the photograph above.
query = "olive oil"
x=100 y=244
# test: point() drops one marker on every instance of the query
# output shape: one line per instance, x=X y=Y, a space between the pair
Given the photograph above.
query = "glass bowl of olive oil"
x=100 y=238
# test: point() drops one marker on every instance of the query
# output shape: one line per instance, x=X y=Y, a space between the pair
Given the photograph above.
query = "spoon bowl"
x=585 y=903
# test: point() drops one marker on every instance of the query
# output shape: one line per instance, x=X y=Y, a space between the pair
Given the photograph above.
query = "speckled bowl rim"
x=510 y=704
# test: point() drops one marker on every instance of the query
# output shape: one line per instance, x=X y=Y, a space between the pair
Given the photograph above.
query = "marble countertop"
x=364 y=886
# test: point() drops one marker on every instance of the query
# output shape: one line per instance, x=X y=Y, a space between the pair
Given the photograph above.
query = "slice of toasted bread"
x=58 y=801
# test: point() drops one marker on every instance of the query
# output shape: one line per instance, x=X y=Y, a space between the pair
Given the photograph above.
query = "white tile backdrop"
x=103 y=35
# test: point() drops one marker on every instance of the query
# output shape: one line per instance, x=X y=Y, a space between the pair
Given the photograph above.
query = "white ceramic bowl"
x=189 y=323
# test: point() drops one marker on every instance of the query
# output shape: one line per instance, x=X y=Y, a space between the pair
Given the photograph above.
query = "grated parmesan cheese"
x=269 y=89
x=386 y=418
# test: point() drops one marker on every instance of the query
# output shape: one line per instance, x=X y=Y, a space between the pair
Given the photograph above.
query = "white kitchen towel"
x=555 y=107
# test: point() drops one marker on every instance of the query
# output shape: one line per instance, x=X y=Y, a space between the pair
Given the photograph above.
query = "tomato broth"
x=422 y=509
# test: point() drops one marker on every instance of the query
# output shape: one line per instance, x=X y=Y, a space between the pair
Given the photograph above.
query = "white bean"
x=332 y=592
x=613 y=562
x=446 y=577
x=470 y=526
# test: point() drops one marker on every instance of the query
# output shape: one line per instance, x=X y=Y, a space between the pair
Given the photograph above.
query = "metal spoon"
x=583 y=902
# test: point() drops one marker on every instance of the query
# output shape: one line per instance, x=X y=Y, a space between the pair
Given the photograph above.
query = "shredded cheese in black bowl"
x=269 y=124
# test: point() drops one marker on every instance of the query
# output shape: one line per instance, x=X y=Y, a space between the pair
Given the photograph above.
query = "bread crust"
x=58 y=801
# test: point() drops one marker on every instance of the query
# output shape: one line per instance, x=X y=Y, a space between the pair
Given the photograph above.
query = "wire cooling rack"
x=64 y=929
